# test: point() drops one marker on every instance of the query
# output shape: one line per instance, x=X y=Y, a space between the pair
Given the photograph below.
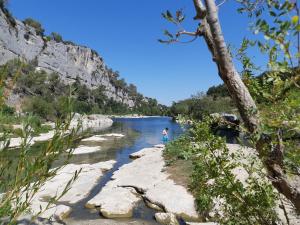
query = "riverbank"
x=94 y=122
x=144 y=179
x=117 y=144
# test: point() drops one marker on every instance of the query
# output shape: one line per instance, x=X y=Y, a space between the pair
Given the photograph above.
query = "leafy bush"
x=7 y=13
x=56 y=37
x=19 y=173
x=220 y=196
x=201 y=105
x=36 y=25
x=178 y=149
x=39 y=107
x=7 y=110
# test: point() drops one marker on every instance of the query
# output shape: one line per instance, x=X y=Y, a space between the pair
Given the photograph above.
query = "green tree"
x=284 y=24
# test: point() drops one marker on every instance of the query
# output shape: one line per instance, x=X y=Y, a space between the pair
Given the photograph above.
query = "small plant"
x=23 y=175
x=36 y=25
x=56 y=37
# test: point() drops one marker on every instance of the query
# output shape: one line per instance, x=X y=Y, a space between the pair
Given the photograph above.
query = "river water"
x=139 y=133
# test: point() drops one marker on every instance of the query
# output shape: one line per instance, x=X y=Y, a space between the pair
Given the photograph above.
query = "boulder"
x=115 y=202
x=166 y=218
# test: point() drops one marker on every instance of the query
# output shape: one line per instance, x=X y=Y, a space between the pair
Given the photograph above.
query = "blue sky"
x=125 y=34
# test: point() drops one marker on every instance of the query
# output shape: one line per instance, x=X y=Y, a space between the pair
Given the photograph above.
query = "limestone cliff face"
x=66 y=59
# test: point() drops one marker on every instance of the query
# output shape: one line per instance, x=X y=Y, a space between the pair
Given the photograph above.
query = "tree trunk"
x=211 y=31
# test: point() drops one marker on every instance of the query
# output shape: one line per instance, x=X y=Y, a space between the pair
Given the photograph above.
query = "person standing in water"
x=165 y=135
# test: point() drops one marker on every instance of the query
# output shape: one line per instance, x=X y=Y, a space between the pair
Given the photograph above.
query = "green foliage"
x=200 y=105
x=279 y=104
x=178 y=149
x=36 y=25
x=218 y=91
x=23 y=175
x=39 y=107
x=280 y=30
x=7 y=110
x=7 y=13
x=45 y=94
x=213 y=179
x=56 y=37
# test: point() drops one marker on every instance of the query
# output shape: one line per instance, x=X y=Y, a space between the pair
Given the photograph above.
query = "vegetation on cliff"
x=45 y=95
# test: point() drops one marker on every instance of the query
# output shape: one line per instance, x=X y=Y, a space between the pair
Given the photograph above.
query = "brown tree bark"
x=210 y=29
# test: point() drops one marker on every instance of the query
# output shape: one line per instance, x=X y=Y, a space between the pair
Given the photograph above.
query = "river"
x=139 y=133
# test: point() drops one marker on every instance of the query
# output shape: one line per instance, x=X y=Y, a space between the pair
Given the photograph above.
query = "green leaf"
x=273 y=13
x=295 y=20
x=168 y=16
x=167 y=33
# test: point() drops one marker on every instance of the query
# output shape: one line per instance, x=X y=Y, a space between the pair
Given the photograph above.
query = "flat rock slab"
x=79 y=189
x=145 y=175
x=85 y=150
x=44 y=136
x=95 y=138
x=115 y=135
x=102 y=137
x=115 y=202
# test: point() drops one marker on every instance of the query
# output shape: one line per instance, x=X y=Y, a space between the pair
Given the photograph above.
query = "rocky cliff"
x=68 y=60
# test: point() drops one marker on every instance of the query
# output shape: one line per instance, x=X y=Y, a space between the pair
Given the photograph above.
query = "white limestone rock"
x=79 y=189
x=85 y=150
x=66 y=59
x=145 y=174
x=115 y=202
x=166 y=218
x=95 y=138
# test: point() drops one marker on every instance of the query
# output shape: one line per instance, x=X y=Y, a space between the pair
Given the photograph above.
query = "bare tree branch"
x=221 y=3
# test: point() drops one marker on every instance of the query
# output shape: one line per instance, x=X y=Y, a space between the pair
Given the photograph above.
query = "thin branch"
x=185 y=42
x=221 y=3
x=183 y=32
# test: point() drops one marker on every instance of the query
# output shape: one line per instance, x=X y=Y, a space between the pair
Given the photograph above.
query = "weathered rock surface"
x=115 y=202
x=166 y=218
x=102 y=137
x=80 y=188
x=85 y=149
x=95 y=122
x=66 y=59
x=144 y=176
x=95 y=138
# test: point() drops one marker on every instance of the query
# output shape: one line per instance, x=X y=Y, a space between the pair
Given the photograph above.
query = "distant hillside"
x=25 y=40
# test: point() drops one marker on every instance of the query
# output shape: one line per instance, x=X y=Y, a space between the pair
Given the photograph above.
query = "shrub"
x=213 y=180
x=56 y=37
x=36 y=25
x=39 y=107
x=7 y=13
x=7 y=110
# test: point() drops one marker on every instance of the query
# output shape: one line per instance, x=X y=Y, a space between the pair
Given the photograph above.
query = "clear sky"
x=125 y=34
